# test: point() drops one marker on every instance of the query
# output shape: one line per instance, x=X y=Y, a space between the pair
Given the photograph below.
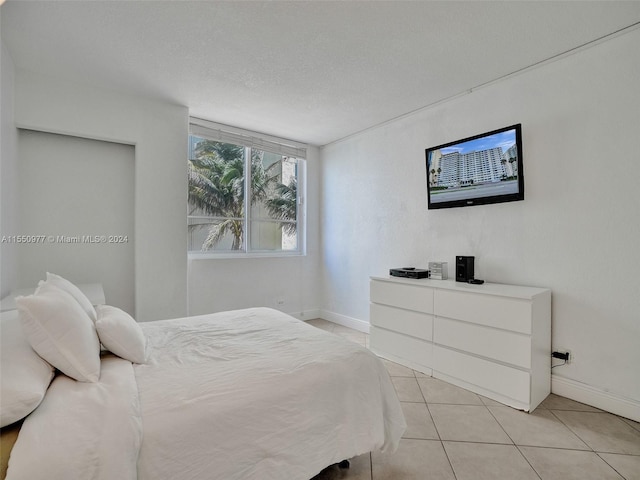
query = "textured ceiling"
x=312 y=71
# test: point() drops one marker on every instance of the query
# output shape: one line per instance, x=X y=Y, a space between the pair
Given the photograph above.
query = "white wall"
x=76 y=187
x=9 y=221
x=158 y=131
x=159 y=134
x=225 y=284
x=577 y=231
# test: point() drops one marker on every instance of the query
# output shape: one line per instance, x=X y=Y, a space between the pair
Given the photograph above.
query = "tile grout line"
x=632 y=425
x=506 y=433
x=527 y=460
x=446 y=454
x=611 y=466
x=559 y=448
x=571 y=429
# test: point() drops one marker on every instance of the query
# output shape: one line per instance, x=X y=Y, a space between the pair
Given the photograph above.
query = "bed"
x=245 y=394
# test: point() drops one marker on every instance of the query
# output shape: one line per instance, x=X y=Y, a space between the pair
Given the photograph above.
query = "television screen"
x=482 y=169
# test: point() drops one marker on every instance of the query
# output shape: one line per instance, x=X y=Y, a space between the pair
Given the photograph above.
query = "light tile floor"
x=456 y=434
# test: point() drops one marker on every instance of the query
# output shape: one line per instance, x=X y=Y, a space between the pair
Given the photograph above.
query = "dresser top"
x=499 y=289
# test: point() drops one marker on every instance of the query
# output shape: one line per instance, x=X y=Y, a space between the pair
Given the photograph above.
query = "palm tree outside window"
x=242 y=199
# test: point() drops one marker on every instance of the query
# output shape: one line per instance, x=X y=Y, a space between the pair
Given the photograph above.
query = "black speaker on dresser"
x=464 y=268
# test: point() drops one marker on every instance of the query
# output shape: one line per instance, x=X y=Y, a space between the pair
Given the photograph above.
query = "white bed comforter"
x=247 y=394
x=82 y=431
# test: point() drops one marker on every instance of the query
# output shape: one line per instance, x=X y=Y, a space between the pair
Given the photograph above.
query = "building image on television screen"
x=475 y=168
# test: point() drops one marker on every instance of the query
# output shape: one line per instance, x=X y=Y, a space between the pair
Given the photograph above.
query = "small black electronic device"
x=409 y=272
x=464 y=268
x=475 y=281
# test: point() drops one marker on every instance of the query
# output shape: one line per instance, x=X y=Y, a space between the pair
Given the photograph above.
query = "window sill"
x=241 y=255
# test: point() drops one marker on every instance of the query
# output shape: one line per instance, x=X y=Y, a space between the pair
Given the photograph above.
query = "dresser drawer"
x=494 y=311
x=507 y=381
x=409 y=322
x=413 y=350
x=410 y=297
x=508 y=347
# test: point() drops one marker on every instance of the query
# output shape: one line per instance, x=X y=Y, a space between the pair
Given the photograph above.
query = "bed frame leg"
x=344 y=464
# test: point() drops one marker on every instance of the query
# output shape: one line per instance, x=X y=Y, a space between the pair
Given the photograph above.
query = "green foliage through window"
x=224 y=215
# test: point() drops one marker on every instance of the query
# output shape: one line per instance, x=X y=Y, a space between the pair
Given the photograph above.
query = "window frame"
x=252 y=140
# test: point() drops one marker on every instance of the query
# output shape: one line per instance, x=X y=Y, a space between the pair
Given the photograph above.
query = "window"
x=245 y=193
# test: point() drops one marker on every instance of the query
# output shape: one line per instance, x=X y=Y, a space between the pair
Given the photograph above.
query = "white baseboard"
x=306 y=314
x=345 y=321
x=596 y=397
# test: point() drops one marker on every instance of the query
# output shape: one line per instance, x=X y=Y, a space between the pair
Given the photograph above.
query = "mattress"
x=246 y=394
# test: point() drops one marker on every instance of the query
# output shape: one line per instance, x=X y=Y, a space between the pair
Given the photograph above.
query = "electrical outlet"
x=571 y=356
x=280 y=301
x=565 y=352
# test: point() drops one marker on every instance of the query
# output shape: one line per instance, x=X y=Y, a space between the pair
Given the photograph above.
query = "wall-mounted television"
x=478 y=170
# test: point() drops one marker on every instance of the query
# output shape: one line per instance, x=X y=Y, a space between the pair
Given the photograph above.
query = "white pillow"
x=25 y=376
x=75 y=292
x=61 y=332
x=121 y=334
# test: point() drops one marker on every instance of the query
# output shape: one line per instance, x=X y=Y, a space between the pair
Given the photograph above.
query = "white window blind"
x=224 y=133
x=246 y=192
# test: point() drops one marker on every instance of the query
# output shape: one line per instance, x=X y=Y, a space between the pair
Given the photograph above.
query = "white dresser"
x=492 y=339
